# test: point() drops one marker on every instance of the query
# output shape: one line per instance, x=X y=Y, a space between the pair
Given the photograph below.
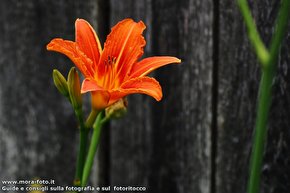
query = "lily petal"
x=142 y=85
x=147 y=65
x=71 y=50
x=100 y=99
x=90 y=85
x=123 y=47
x=88 y=41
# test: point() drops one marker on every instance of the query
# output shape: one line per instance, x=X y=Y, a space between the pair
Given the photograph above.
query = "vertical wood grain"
x=182 y=121
x=38 y=131
x=166 y=146
x=131 y=143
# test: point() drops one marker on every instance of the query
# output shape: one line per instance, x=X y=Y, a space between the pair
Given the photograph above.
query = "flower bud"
x=117 y=110
x=60 y=83
x=74 y=88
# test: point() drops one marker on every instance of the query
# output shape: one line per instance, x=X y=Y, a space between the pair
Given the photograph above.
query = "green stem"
x=268 y=59
x=92 y=149
x=260 y=131
x=91 y=118
x=84 y=131
x=281 y=26
x=82 y=148
x=261 y=50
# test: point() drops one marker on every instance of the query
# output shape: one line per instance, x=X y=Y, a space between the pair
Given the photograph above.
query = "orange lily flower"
x=113 y=72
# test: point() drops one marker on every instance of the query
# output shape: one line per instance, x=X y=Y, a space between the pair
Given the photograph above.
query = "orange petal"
x=90 y=85
x=147 y=65
x=124 y=45
x=71 y=50
x=88 y=41
x=142 y=85
x=100 y=99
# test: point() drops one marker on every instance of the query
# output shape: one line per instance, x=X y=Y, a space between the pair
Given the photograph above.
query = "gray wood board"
x=38 y=131
x=165 y=146
x=131 y=136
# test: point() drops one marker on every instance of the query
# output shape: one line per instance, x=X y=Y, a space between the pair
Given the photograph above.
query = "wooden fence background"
x=196 y=140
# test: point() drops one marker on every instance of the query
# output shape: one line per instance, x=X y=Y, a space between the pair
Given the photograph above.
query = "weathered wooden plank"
x=239 y=75
x=131 y=143
x=276 y=168
x=38 y=132
x=166 y=146
x=182 y=121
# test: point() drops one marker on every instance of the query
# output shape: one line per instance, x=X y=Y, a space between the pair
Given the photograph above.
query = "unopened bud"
x=60 y=83
x=74 y=88
x=118 y=109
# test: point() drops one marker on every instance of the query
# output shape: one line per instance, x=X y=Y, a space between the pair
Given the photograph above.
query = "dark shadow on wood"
x=103 y=29
x=215 y=84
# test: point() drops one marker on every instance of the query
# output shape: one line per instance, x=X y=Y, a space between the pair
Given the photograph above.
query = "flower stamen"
x=110 y=71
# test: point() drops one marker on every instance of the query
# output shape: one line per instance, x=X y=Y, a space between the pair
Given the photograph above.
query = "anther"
x=111 y=60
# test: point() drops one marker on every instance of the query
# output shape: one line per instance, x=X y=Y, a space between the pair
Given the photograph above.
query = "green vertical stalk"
x=281 y=26
x=264 y=99
x=92 y=149
x=253 y=34
x=268 y=59
x=82 y=151
x=91 y=118
x=82 y=148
